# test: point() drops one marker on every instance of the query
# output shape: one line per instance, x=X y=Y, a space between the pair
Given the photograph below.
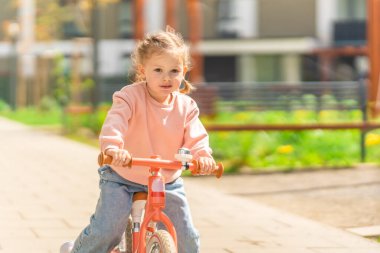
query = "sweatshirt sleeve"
x=196 y=137
x=116 y=123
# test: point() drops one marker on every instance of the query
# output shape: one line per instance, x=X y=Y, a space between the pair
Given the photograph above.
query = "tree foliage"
x=51 y=14
x=49 y=17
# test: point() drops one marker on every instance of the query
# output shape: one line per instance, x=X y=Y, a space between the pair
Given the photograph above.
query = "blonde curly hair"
x=162 y=41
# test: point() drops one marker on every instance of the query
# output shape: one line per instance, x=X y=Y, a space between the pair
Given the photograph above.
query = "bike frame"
x=154 y=210
x=156 y=194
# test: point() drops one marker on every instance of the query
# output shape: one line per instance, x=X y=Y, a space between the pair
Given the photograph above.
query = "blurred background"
x=256 y=62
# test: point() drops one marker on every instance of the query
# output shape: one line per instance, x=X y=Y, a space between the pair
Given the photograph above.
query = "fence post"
x=14 y=32
x=363 y=106
x=13 y=79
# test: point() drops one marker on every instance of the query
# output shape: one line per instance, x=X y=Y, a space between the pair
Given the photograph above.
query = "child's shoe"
x=66 y=247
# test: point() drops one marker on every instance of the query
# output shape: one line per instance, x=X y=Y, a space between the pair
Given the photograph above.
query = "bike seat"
x=140 y=196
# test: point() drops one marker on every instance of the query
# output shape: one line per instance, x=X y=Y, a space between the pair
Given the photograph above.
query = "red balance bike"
x=141 y=234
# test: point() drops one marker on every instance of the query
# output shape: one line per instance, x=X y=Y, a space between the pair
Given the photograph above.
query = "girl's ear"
x=140 y=72
x=140 y=69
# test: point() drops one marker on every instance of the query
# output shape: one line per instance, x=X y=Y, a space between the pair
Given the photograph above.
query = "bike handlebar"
x=160 y=163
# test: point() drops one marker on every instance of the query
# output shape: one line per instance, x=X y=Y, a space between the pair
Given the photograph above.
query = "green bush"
x=4 y=106
x=48 y=104
x=258 y=150
x=34 y=116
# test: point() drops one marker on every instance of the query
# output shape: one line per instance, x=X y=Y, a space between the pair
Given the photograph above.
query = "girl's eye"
x=157 y=70
x=175 y=71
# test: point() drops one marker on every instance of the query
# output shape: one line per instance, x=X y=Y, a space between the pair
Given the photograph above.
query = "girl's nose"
x=166 y=77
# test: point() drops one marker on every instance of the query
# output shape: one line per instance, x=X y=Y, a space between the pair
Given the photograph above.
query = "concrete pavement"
x=49 y=189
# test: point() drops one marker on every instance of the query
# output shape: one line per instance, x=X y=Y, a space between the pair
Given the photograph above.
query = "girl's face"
x=164 y=73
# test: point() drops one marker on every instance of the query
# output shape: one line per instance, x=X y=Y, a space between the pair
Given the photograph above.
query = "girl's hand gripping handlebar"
x=183 y=162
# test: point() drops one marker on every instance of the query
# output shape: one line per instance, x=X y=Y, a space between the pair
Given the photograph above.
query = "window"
x=352 y=9
x=125 y=19
x=226 y=19
x=268 y=68
x=220 y=68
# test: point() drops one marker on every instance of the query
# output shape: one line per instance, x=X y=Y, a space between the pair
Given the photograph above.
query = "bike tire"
x=161 y=242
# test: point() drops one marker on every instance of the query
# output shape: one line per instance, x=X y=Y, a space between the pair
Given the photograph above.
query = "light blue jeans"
x=109 y=221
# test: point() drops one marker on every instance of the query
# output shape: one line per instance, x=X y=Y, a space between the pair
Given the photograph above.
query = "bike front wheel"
x=161 y=242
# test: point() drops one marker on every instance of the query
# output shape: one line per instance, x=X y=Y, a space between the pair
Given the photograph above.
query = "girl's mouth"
x=166 y=86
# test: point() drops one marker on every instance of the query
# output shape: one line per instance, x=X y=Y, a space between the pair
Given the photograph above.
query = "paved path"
x=345 y=198
x=49 y=188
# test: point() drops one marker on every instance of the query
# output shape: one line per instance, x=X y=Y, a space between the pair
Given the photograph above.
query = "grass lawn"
x=259 y=151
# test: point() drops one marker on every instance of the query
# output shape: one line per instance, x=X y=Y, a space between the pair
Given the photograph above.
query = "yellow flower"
x=241 y=116
x=325 y=113
x=223 y=135
x=285 y=149
x=372 y=139
x=301 y=113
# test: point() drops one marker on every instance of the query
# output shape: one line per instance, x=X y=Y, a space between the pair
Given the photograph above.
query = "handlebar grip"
x=107 y=159
x=218 y=172
x=104 y=159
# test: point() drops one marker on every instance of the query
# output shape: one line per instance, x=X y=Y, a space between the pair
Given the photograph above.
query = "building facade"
x=252 y=40
x=242 y=40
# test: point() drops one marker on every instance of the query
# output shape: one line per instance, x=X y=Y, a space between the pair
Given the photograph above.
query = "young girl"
x=152 y=116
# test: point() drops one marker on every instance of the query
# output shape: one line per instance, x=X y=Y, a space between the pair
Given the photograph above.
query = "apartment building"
x=277 y=40
x=242 y=40
x=256 y=40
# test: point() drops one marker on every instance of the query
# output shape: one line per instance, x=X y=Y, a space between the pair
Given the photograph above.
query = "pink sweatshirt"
x=138 y=123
